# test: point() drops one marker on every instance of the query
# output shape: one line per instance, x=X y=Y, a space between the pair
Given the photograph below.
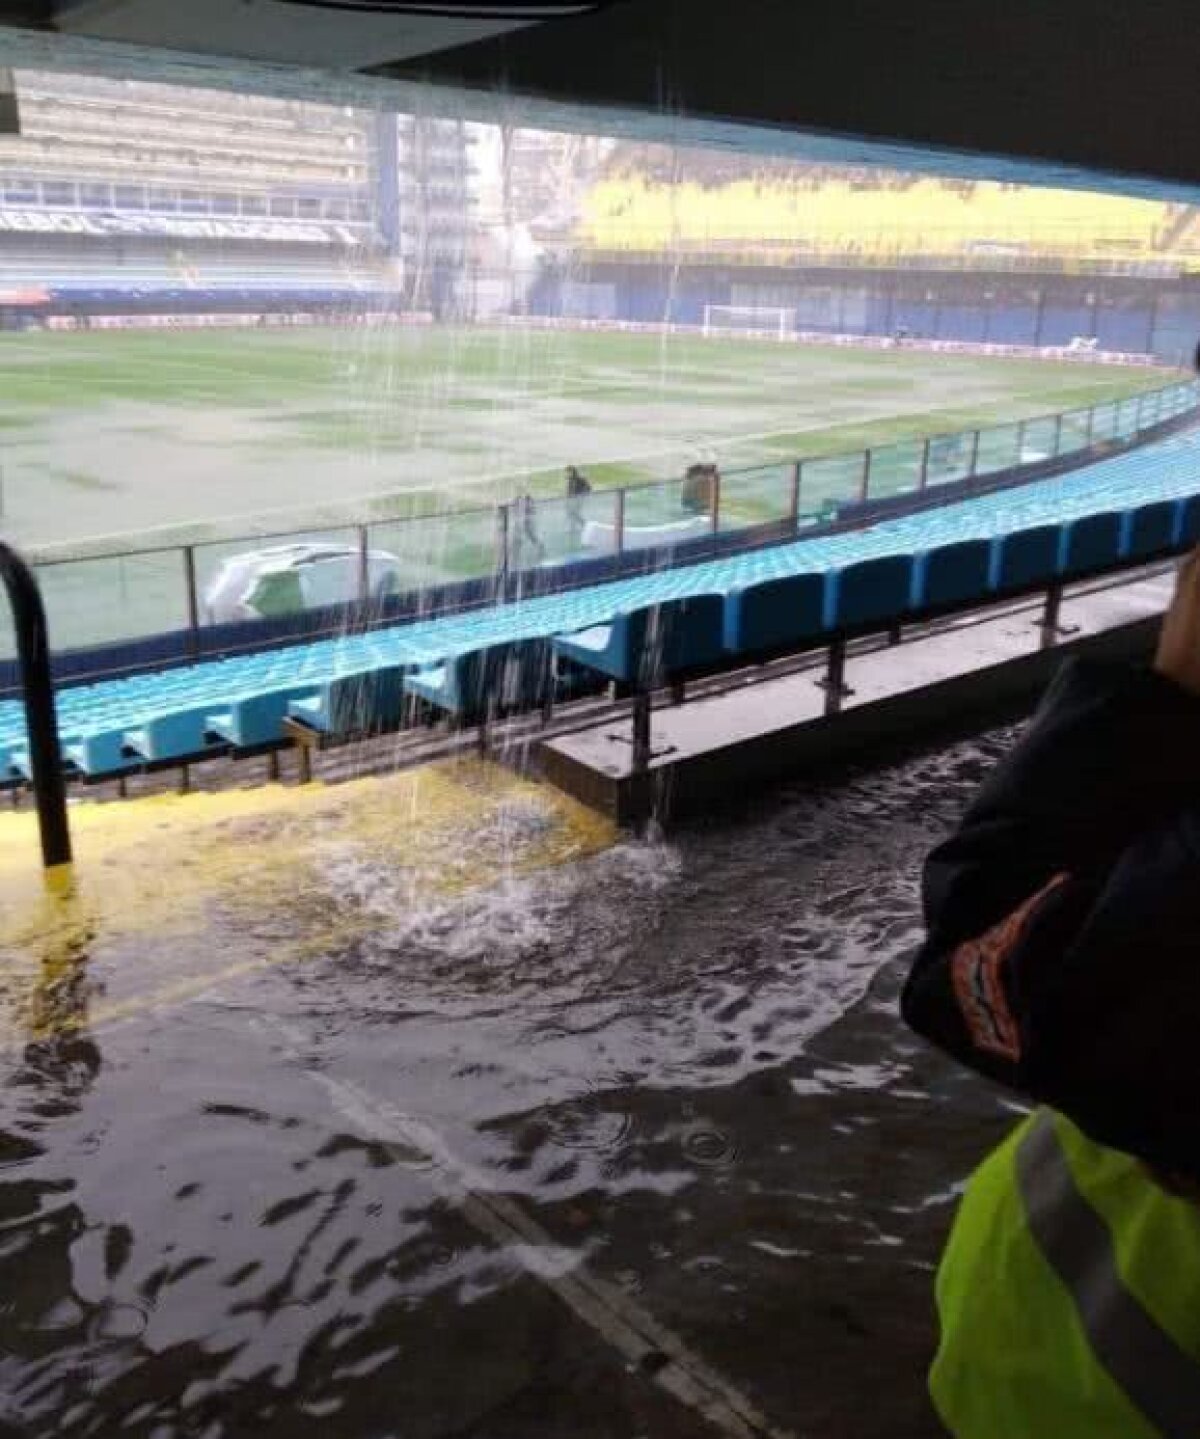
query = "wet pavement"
x=627 y=1144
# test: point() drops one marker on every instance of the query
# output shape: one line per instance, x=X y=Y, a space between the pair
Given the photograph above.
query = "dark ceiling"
x=1109 y=86
x=1105 y=86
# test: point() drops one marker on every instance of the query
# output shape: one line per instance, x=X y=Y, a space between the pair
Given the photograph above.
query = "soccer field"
x=211 y=434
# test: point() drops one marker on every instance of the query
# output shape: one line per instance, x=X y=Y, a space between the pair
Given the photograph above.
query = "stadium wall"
x=1124 y=314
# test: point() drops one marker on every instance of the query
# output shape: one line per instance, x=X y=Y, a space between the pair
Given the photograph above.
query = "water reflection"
x=601 y=1149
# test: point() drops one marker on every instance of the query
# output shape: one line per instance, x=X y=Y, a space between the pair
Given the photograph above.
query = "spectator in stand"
x=699 y=489
x=578 y=489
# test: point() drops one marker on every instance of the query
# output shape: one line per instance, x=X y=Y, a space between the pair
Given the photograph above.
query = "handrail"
x=41 y=720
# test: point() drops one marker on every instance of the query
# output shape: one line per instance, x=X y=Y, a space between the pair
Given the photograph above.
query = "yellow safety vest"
x=1069 y=1297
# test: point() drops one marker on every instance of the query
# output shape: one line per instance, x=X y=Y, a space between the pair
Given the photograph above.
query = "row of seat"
x=1140 y=502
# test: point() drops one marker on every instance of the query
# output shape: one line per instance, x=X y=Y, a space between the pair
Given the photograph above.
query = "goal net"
x=773 y=321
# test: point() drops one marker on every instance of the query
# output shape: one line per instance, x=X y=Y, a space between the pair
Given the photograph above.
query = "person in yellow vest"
x=1063 y=961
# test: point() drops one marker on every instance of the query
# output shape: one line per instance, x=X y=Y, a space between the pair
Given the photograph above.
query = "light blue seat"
x=650 y=644
x=950 y=574
x=354 y=704
x=256 y=719
x=99 y=754
x=178 y=735
x=458 y=686
x=1187 y=522
x=1023 y=558
x=1147 y=529
x=1089 y=543
x=773 y=613
x=867 y=592
x=612 y=649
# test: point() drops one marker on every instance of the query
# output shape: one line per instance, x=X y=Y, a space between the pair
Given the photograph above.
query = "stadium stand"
x=144 y=188
x=640 y=213
x=1119 y=508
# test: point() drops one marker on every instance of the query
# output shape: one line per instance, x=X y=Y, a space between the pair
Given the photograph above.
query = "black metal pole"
x=41 y=721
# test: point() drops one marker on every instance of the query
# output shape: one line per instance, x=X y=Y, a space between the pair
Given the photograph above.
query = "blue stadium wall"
x=1157 y=316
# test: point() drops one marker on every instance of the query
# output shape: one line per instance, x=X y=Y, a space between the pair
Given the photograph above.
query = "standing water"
x=586 y=1137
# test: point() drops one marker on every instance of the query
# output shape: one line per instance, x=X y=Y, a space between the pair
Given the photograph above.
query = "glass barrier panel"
x=1149 y=410
x=1104 y=422
x=999 y=449
x=420 y=554
x=949 y=458
x=659 y=516
x=825 y=485
x=578 y=528
x=759 y=496
x=1074 y=433
x=895 y=469
x=1038 y=440
x=270 y=576
x=105 y=601
x=1127 y=417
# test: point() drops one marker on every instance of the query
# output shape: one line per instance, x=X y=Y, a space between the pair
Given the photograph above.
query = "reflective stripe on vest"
x=1160 y=1379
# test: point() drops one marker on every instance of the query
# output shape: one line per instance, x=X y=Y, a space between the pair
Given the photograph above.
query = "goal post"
x=775 y=322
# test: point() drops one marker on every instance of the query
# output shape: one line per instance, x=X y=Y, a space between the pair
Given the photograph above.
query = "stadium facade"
x=120 y=196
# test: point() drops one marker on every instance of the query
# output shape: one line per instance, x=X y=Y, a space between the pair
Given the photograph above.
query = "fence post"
x=501 y=565
x=193 y=599
x=924 y=480
x=1091 y=425
x=864 y=485
x=974 y=455
x=619 y=523
x=716 y=501
x=1058 y=419
x=364 y=566
x=794 y=513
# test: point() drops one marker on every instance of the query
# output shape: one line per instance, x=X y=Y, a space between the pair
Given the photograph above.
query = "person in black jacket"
x=1085 y=846
x=1062 y=960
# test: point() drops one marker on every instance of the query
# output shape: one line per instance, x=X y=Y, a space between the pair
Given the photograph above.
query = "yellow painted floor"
x=171 y=894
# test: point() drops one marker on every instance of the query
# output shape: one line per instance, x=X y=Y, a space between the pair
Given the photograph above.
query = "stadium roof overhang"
x=340 y=33
x=1070 y=93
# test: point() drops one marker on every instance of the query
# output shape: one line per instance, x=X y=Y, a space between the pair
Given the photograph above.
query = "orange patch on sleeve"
x=976 y=971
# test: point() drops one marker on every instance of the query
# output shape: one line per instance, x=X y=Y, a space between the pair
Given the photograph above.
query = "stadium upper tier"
x=926 y=217
x=1135 y=503
x=82 y=128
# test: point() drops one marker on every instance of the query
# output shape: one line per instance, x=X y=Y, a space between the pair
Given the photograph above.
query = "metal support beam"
x=41 y=720
x=834 y=682
x=642 y=710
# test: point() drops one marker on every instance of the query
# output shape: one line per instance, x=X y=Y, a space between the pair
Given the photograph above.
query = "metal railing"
x=129 y=596
x=41 y=720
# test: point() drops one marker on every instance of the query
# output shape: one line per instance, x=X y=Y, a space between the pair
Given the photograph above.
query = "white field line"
x=645 y=1344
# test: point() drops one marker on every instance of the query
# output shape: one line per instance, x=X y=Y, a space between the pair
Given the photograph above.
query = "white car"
x=288 y=579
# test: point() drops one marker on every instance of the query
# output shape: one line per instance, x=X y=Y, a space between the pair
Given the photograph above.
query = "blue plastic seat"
x=457 y=687
x=1147 y=529
x=950 y=574
x=178 y=735
x=1023 y=558
x=773 y=613
x=653 y=642
x=99 y=754
x=1089 y=543
x=867 y=592
x=255 y=719
x=1187 y=522
x=355 y=703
